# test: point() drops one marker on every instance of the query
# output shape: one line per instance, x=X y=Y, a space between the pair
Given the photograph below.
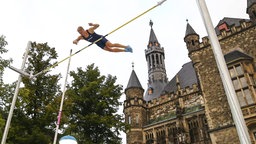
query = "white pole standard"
x=225 y=77
x=62 y=101
x=19 y=71
x=8 y=122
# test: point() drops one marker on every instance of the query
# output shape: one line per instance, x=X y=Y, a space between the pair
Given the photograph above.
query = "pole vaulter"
x=31 y=76
x=47 y=69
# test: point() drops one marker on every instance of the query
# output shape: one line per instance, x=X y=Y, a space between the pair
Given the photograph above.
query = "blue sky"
x=56 y=21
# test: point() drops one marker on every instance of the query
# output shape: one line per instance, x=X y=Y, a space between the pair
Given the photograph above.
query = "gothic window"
x=157 y=60
x=193 y=42
x=172 y=135
x=137 y=119
x=150 y=91
x=204 y=130
x=129 y=119
x=149 y=138
x=149 y=61
x=161 y=59
x=243 y=83
x=161 y=137
x=252 y=131
x=156 y=44
x=150 y=44
x=153 y=61
x=193 y=131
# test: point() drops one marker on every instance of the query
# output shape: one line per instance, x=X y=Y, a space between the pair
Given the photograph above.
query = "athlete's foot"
x=128 y=49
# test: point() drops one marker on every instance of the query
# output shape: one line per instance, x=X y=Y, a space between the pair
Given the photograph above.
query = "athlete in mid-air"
x=90 y=36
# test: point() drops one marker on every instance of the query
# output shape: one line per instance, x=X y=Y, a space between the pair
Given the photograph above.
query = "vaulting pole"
x=62 y=101
x=47 y=69
x=225 y=77
x=8 y=122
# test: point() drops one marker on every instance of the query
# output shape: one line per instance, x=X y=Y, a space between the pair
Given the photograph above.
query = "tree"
x=5 y=89
x=92 y=105
x=36 y=106
x=3 y=62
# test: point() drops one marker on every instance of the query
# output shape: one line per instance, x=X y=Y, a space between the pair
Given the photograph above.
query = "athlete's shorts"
x=102 y=43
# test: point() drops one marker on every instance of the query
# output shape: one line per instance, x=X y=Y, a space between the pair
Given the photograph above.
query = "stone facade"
x=193 y=107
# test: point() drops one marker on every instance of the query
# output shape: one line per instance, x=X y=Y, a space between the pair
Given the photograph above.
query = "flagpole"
x=236 y=111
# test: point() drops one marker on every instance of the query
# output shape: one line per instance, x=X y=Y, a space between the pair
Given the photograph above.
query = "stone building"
x=192 y=107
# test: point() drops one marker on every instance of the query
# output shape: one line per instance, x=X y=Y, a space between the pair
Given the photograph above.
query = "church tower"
x=217 y=109
x=191 y=39
x=157 y=78
x=134 y=110
x=251 y=10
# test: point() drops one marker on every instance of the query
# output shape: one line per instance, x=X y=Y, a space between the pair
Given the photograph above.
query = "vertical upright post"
x=8 y=122
x=62 y=100
x=225 y=77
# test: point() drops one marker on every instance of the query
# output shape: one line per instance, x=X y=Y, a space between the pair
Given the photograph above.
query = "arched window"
x=137 y=119
x=157 y=59
x=129 y=119
x=150 y=90
x=153 y=61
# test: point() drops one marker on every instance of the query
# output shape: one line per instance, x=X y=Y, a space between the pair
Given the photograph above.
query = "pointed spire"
x=155 y=56
x=133 y=81
x=152 y=36
x=132 y=65
x=191 y=39
x=151 y=23
x=189 y=30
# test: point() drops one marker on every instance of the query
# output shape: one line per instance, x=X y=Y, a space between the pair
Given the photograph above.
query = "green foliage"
x=36 y=106
x=6 y=92
x=92 y=107
x=89 y=111
x=5 y=89
x=3 y=62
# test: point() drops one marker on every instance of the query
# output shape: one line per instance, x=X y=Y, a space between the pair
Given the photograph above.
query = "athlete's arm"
x=77 y=40
x=93 y=27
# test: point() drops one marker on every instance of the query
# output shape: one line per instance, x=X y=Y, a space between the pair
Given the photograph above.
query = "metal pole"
x=19 y=71
x=62 y=100
x=225 y=77
x=8 y=122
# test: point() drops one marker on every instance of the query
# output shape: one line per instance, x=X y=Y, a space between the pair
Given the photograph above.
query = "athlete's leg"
x=113 y=49
x=117 y=47
x=109 y=44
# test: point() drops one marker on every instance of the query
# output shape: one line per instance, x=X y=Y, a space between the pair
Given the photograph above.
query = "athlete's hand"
x=75 y=42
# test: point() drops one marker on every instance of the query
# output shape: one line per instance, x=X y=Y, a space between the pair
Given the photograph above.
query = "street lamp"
x=67 y=140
